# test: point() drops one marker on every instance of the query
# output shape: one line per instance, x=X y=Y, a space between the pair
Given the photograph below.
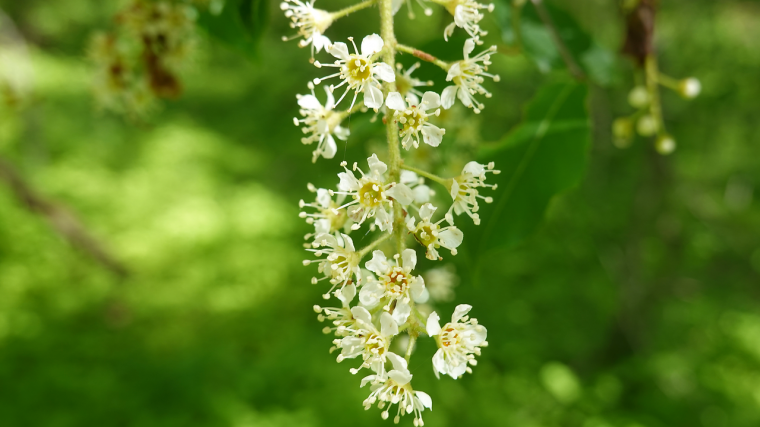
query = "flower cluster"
x=140 y=61
x=382 y=295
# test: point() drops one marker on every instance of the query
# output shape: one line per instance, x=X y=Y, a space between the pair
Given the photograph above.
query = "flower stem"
x=423 y=56
x=654 y=92
x=365 y=250
x=410 y=347
x=428 y=175
x=351 y=9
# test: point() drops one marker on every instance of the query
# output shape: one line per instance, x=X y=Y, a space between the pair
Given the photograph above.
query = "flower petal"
x=424 y=399
x=372 y=44
x=330 y=148
x=409 y=258
x=439 y=364
x=427 y=210
x=348 y=182
x=459 y=311
x=347 y=294
x=401 y=313
x=401 y=193
x=401 y=377
x=384 y=72
x=378 y=264
x=309 y=102
x=394 y=102
x=373 y=96
x=361 y=314
x=421 y=194
x=469 y=46
x=339 y=50
x=388 y=326
x=433 y=326
x=449 y=96
x=348 y=243
x=398 y=362
x=432 y=135
x=451 y=238
x=431 y=100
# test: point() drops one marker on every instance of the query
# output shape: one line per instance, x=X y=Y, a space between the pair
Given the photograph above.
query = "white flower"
x=406 y=84
x=365 y=340
x=394 y=283
x=341 y=317
x=466 y=15
x=396 y=389
x=342 y=262
x=370 y=195
x=458 y=342
x=310 y=23
x=359 y=71
x=421 y=192
x=464 y=191
x=328 y=218
x=467 y=76
x=440 y=283
x=414 y=119
x=689 y=88
x=321 y=123
x=431 y=235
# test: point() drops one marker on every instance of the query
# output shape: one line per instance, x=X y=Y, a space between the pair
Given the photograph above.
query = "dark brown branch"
x=564 y=52
x=63 y=221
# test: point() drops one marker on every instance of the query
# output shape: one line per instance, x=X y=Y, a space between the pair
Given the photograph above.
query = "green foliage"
x=239 y=24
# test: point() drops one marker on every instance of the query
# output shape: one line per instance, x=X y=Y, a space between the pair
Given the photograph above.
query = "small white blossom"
x=458 y=342
x=464 y=191
x=321 y=123
x=689 y=88
x=328 y=218
x=407 y=85
x=467 y=76
x=341 y=263
x=365 y=340
x=370 y=195
x=340 y=317
x=414 y=119
x=440 y=283
x=420 y=191
x=360 y=72
x=394 y=284
x=467 y=14
x=310 y=23
x=431 y=235
x=396 y=389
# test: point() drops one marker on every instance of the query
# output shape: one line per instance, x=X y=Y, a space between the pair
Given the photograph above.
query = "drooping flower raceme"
x=359 y=71
x=395 y=287
x=370 y=194
x=467 y=76
x=310 y=23
x=464 y=189
x=414 y=119
x=396 y=389
x=321 y=122
x=458 y=342
x=431 y=235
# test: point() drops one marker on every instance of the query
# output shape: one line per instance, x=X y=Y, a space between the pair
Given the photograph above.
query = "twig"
x=65 y=223
x=564 y=52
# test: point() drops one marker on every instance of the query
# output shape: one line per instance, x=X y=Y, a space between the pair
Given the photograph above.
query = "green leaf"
x=542 y=157
x=537 y=42
x=239 y=24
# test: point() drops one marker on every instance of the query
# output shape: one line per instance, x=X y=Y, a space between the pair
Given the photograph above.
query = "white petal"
x=475 y=336
x=319 y=41
x=469 y=46
x=463 y=96
x=407 y=177
x=451 y=238
x=347 y=294
x=330 y=148
x=401 y=312
x=432 y=135
x=401 y=377
x=454 y=189
x=412 y=99
x=373 y=96
x=388 y=326
x=427 y=210
x=396 y=5
x=401 y=193
x=361 y=314
x=424 y=398
x=348 y=182
x=439 y=364
x=454 y=70
x=330 y=104
x=398 y=362
x=383 y=220
x=370 y=294
x=341 y=132
x=378 y=264
x=431 y=100
x=322 y=226
x=421 y=194
x=384 y=72
x=339 y=50
x=367 y=379
x=449 y=96
x=376 y=167
x=309 y=102
x=323 y=197
x=459 y=311
x=419 y=291
x=474 y=168
x=409 y=258
x=448 y=31
x=459 y=370
x=348 y=243
x=394 y=101
x=433 y=326
x=372 y=44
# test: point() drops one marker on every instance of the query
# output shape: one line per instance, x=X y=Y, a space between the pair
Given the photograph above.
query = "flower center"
x=468 y=73
x=337 y=220
x=359 y=69
x=414 y=120
x=424 y=234
x=371 y=194
x=398 y=282
x=449 y=337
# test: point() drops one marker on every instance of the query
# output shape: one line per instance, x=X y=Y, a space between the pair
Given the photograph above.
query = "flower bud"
x=689 y=88
x=638 y=97
x=622 y=132
x=646 y=126
x=665 y=144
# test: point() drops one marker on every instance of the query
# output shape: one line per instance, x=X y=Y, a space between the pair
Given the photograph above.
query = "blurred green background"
x=636 y=304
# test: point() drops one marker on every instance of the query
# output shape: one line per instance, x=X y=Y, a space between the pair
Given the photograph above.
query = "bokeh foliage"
x=633 y=304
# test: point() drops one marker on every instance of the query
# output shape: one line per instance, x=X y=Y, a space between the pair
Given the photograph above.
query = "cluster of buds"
x=384 y=297
x=139 y=62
